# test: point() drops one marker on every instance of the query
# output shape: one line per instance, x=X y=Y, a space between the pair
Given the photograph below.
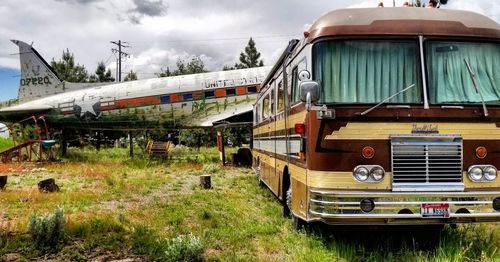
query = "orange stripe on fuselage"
x=140 y=101
x=241 y=90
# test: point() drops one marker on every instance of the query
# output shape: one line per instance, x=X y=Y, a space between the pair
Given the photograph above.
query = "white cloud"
x=222 y=28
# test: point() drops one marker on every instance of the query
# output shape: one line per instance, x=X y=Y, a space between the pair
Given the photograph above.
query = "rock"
x=10 y=257
x=48 y=185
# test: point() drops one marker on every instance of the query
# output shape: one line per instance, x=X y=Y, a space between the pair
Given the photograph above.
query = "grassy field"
x=116 y=208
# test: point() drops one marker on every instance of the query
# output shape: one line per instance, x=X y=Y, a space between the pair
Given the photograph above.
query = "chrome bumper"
x=400 y=207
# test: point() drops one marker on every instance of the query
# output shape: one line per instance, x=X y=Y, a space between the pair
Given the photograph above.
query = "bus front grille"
x=426 y=163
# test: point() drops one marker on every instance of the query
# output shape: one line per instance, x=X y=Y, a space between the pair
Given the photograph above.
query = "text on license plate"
x=433 y=210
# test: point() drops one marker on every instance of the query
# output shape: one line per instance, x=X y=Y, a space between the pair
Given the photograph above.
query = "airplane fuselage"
x=190 y=100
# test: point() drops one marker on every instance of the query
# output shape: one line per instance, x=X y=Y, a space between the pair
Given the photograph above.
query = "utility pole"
x=121 y=54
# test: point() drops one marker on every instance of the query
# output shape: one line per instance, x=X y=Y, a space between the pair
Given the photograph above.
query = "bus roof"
x=403 y=21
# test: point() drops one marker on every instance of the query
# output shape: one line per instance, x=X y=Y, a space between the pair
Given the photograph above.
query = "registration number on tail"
x=435 y=210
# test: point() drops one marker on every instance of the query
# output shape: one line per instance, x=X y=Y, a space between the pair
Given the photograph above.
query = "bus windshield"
x=450 y=82
x=367 y=71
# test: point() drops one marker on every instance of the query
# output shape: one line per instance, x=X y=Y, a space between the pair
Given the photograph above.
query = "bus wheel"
x=258 y=172
x=287 y=203
x=298 y=223
x=286 y=193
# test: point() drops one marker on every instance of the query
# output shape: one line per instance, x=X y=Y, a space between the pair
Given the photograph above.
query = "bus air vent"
x=427 y=162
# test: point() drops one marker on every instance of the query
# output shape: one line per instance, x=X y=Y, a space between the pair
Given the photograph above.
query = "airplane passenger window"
x=252 y=89
x=209 y=94
x=187 y=97
x=230 y=92
x=165 y=99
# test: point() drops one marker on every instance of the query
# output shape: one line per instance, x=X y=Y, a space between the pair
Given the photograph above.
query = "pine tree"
x=102 y=74
x=131 y=76
x=250 y=58
x=67 y=70
x=195 y=66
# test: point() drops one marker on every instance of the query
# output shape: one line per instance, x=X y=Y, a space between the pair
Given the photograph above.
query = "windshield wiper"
x=385 y=100
x=474 y=83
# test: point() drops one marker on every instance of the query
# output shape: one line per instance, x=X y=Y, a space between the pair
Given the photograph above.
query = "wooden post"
x=206 y=181
x=64 y=144
x=3 y=182
x=131 y=144
x=48 y=185
x=98 y=141
x=220 y=146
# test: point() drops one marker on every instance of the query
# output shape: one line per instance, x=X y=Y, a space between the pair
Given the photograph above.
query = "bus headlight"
x=490 y=173
x=482 y=173
x=475 y=174
x=361 y=173
x=368 y=173
x=377 y=173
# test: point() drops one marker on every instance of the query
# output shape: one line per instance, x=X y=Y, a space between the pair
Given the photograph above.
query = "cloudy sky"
x=159 y=32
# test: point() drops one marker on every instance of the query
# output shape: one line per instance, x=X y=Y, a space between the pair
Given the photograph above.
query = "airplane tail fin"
x=38 y=79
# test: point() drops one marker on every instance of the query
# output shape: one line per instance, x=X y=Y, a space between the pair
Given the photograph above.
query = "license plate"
x=435 y=210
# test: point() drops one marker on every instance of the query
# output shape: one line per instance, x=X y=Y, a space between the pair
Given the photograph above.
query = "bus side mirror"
x=309 y=93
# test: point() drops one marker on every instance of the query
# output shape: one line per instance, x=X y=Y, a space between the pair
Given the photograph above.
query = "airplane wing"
x=240 y=114
x=19 y=112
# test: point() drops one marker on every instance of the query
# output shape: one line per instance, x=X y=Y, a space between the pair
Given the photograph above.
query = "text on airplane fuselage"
x=232 y=82
x=35 y=81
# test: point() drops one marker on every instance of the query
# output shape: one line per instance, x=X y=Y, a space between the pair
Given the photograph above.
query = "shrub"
x=211 y=169
x=184 y=248
x=47 y=231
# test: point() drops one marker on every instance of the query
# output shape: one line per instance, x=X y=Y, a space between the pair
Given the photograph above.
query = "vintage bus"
x=384 y=116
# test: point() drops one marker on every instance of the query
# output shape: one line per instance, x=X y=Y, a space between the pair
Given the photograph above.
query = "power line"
x=121 y=54
x=220 y=39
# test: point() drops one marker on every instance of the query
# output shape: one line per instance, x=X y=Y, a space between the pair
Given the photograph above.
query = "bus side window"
x=256 y=113
x=265 y=107
x=273 y=102
x=281 y=96
x=295 y=80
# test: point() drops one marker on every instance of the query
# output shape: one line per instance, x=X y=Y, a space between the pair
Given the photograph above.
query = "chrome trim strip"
x=401 y=215
x=424 y=72
x=386 y=203
x=405 y=194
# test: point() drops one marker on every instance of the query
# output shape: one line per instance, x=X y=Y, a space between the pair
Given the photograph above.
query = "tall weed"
x=47 y=231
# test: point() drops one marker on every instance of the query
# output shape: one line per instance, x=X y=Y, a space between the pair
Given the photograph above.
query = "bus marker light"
x=481 y=152
x=306 y=34
x=368 y=152
x=300 y=129
x=496 y=204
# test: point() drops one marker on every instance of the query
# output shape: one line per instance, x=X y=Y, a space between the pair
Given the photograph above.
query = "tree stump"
x=48 y=185
x=206 y=181
x=3 y=182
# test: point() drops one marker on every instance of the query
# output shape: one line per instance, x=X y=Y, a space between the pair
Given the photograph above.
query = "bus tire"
x=258 y=172
x=298 y=223
x=286 y=194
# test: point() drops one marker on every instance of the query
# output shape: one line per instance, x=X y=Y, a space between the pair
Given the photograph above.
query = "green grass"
x=154 y=210
x=5 y=143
